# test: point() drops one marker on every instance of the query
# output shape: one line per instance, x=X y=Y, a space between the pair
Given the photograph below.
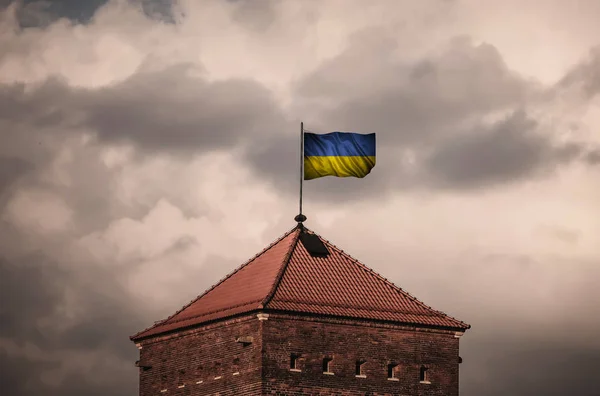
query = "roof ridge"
x=160 y=322
x=387 y=282
x=284 y=266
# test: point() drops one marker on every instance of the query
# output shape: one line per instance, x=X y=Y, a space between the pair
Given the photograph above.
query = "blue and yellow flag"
x=340 y=154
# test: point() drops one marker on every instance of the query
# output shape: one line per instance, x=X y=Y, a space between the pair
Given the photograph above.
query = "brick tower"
x=302 y=318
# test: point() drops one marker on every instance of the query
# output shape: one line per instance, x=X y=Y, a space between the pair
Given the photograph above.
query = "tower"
x=302 y=318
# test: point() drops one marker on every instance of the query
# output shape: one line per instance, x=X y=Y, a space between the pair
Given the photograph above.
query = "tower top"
x=303 y=273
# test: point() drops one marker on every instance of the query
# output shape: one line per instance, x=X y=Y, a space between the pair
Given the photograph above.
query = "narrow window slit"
x=424 y=375
x=360 y=372
x=294 y=362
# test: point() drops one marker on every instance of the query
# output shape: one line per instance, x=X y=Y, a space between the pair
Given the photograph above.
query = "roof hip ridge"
x=390 y=284
x=239 y=268
x=284 y=266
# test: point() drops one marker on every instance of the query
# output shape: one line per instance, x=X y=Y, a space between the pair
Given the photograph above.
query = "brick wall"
x=347 y=342
x=204 y=355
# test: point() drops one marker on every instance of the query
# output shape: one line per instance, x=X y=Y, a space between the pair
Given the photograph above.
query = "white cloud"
x=226 y=208
x=38 y=212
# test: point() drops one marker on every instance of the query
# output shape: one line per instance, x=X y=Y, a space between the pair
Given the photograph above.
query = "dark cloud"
x=10 y=170
x=174 y=110
x=410 y=102
x=43 y=105
x=37 y=338
x=66 y=319
x=165 y=110
x=15 y=375
x=585 y=75
x=593 y=157
x=20 y=377
x=434 y=109
x=161 y=10
x=507 y=151
x=255 y=15
x=38 y=124
x=528 y=365
x=34 y=291
x=41 y=13
x=171 y=113
x=21 y=303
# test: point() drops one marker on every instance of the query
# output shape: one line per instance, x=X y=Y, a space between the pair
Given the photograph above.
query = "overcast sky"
x=146 y=150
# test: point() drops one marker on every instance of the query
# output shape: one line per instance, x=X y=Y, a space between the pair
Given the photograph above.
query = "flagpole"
x=301 y=162
x=300 y=218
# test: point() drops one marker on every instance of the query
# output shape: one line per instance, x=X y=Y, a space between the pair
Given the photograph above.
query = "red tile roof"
x=286 y=277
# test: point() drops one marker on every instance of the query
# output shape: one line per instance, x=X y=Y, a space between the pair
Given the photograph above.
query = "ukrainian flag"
x=340 y=154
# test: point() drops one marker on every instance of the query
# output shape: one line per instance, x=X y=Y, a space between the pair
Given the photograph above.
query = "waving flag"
x=340 y=154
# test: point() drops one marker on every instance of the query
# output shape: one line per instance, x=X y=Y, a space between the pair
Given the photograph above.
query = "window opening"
x=294 y=361
x=424 y=375
x=360 y=368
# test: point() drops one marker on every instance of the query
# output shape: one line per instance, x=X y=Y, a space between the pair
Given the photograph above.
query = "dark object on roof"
x=313 y=245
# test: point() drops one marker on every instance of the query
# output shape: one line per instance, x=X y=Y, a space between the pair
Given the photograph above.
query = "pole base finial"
x=300 y=218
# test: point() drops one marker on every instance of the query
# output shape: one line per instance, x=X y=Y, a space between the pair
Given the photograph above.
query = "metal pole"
x=301 y=161
x=300 y=217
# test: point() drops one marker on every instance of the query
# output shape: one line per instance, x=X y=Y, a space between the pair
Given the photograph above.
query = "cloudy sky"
x=148 y=148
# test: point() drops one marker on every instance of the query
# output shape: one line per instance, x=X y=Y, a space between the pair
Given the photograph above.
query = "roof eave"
x=284 y=265
x=146 y=334
x=462 y=327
